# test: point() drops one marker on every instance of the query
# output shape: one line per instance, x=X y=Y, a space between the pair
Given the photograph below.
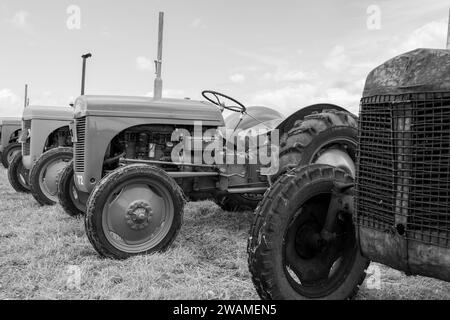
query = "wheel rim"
x=11 y=154
x=48 y=177
x=313 y=268
x=339 y=152
x=137 y=216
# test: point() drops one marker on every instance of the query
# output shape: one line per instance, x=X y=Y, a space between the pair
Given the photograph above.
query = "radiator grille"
x=26 y=146
x=80 y=144
x=403 y=179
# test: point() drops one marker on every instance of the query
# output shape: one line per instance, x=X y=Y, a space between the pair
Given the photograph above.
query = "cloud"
x=237 y=78
x=338 y=59
x=11 y=105
x=198 y=24
x=144 y=64
x=20 y=20
x=431 y=35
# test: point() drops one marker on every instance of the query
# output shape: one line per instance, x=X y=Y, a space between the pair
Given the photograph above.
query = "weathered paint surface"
x=420 y=70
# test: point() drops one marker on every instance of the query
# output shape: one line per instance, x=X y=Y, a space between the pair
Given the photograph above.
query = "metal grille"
x=403 y=180
x=26 y=146
x=80 y=144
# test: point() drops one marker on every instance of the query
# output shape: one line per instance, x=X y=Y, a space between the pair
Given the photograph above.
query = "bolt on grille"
x=26 y=146
x=403 y=179
x=80 y=144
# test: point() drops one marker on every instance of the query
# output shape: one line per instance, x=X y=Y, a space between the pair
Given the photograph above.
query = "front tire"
x=45 y=173
x=287 y=258
x=9 y=152
x=18 y=175
x=68 y=195
x=137 y=209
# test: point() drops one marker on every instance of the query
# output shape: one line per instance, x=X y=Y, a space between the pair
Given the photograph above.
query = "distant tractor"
x=318 y=227
x=46 y=150
x=10 y=129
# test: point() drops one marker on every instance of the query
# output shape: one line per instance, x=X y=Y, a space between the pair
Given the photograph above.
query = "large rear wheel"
x=288 y=257
x=18 y=175
x=45 y=173
x=136 y=209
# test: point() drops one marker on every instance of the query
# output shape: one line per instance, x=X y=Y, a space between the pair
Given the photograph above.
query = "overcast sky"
x=282 y=54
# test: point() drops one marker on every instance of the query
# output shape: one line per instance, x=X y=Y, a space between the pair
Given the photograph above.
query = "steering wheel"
x=217 y=97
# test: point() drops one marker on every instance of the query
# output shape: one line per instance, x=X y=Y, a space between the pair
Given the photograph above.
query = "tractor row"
x=331 y=192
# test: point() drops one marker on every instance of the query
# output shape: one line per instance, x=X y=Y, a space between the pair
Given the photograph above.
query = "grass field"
x=42 y=250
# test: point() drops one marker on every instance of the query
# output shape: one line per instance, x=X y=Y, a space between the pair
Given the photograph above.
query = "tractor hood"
x=48 y=113
x=10 y=121
x=420 y=70
x=144 y=107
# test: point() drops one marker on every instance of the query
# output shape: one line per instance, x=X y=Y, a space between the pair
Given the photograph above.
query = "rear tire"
x=135 y=210
x=287 y=225
x=9 y=152
x=18 y=175
x=67 y=194
x=314 y=134
x=45 y=172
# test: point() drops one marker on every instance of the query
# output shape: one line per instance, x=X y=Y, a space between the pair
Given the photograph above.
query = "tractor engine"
x=403 y=172
x=59 y=138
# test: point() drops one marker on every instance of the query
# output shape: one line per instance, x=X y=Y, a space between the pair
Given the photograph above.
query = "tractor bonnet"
x=420 y=70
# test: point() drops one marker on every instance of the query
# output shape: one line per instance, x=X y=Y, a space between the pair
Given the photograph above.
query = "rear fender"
x=289 y=123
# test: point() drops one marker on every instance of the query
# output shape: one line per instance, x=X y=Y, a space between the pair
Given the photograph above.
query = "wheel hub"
x=138 y=215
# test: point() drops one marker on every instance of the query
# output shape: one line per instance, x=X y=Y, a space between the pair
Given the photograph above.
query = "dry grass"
x=208 y=261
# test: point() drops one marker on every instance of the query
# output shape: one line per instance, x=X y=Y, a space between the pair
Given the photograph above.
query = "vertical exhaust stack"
x=83 y=73
x=448 y=32
x=26 y=102
x=157 y=90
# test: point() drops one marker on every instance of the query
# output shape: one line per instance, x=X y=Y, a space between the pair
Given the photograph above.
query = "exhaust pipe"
x=26 y=102
x=157 y=90
x=83 y=74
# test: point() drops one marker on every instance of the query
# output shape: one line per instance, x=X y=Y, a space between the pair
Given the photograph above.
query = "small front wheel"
x=18 y=175
x=137 y=209
x=68 y=194
x=45 y=172
x=288 y=258
x=9 y=153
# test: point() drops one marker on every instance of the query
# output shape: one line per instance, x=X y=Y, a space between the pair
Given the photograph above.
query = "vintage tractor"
x=10 y=129
x=318 y=227
x=46 y=150
x=134 y=193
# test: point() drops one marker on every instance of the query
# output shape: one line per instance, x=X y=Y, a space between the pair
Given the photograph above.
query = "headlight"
x=80 y=105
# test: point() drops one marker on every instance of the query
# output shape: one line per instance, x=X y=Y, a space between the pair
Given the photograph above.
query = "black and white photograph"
x=214 y=158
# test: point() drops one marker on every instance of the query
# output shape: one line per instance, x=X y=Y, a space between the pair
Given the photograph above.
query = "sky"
x=282 y=54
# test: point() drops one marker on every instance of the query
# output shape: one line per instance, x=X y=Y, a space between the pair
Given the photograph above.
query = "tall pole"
x=83 y=74
x=448 y=33
x=157 y=91
x=26 y=102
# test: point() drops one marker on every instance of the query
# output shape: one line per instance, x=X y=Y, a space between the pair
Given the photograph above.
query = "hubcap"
x=48 y=177
x=137 y=216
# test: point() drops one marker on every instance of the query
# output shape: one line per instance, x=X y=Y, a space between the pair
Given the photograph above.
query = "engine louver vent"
x=403 y=179
x=26 y=147
x=80 y=144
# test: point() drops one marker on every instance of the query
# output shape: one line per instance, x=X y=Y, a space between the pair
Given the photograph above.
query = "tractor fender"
x=290 y=121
